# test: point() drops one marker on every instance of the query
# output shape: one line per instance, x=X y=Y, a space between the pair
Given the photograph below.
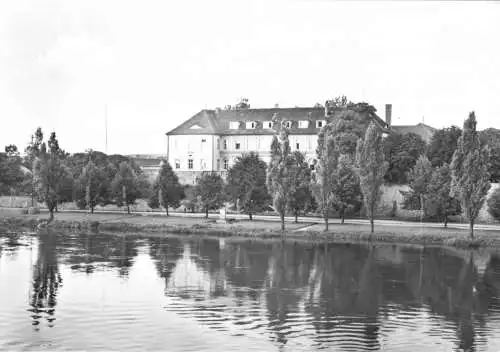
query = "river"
x=69 y=291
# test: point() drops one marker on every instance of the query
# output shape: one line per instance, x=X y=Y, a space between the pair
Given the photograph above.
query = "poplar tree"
x=125 y=186
x=470 y=171
x=371 y=168
x=347 y=193
x=210 y=191
x=301 y=198
x=279 y=172
x=92 y=187
x=325 y=180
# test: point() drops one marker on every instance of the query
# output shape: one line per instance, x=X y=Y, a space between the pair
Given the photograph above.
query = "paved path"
x=317 y=222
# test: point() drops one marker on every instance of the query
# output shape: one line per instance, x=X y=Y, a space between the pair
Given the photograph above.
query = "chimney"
x=276 y=106
x=388 y=114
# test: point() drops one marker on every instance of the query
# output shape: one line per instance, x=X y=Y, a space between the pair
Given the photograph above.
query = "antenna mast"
x=106 y=124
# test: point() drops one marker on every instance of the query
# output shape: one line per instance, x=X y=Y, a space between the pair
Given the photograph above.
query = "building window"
x=225 y=144
x=234 y=125
x=203 y=140
x=218 y=164
x=297 y=146
x=250 y=125
x=303 y=124
x=190 y=163
x=320 y=123
x=237 y=145
x=268 y=124
x=177 y=164
x=288 y=124
x=218 y=145
x=225 y=164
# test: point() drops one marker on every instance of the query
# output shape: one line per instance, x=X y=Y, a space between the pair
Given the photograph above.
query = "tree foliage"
x=439 y=204
x=51 y=178
x=347 y=197
x=401 y=151
x=11 y=175
x=494 y=204
x=491 y=137
x=279 y=172
x=210 y=191
x=442 y=145
x=470 y=171
x=419 y=179
x=371 y=169
x=325 y=179
x=246 y=183
x=301 y=199
x=126 y=186
x=167 y=191
x=93 y=187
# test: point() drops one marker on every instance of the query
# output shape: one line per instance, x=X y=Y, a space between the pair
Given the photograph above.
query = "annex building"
x=211 y=140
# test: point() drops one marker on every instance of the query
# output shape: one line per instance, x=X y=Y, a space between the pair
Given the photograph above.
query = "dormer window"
x=234 y=125
x=320 y=123
x=303 y=124
x=250 y=125
x=268 y=124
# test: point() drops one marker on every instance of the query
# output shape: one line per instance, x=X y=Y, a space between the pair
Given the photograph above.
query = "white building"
x=211 y=140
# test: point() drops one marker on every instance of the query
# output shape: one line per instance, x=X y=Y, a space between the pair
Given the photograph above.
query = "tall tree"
x=470 y=171
x=491 y=137
x=279 y=180
x=442 y=145
x=210 y=190
x=401 y=152
x=419 y=181
x=439 y=204
x=246 y=183
x=92 y=187
x=325 y=180
x=494 y=204
x=371 y=168
x=347 y=192
x=166 y=189
x=51 y=178
x=32 y=152
x=301 y=198
x=125 y=186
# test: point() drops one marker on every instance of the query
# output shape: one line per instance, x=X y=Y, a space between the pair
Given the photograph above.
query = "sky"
x=154 y=64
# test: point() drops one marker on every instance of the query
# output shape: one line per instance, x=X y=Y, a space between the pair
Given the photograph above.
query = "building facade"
x=212 y=140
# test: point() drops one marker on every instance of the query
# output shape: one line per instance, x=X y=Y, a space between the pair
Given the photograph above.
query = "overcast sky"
x=157 y=63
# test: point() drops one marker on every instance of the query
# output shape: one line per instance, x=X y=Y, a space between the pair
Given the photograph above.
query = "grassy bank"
x=11 y=220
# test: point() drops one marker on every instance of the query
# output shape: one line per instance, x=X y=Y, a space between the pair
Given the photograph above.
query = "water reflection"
x=294 y=296
x=46 y=281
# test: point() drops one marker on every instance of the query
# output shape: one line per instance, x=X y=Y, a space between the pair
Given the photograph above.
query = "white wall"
x=185 y=147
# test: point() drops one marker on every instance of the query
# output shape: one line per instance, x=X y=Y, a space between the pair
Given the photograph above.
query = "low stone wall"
x=392 y=193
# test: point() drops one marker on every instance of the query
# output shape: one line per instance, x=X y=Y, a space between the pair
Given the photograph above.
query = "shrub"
x=494 y=204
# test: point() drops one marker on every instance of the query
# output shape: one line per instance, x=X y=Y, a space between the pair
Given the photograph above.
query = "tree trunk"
x=445 y=221
x=282 y=218
x=128 y=208
x=325 y=218
x=51 y=213
x=471 y=228
x=250 y=215
x=296 y=217
x=343 y=218
x=57 y=210
x=206 y=213
x=166 y=209
x=92 y=208
x=372 y=224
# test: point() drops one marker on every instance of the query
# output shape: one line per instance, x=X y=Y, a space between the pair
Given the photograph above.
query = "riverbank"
x=310 y=231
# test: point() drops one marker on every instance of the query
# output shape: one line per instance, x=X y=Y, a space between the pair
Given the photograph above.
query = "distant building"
x=211 y=140
x=149 y=163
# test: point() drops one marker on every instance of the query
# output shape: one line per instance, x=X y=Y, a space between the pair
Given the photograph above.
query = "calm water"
x=98 y=292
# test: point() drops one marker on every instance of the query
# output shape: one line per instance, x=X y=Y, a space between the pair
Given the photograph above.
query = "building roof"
x=147 y=160
x=217 y=121
x=423 y=130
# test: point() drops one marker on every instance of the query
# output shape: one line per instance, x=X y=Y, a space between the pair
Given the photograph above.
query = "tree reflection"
x=347 y=291
x=46 y=280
